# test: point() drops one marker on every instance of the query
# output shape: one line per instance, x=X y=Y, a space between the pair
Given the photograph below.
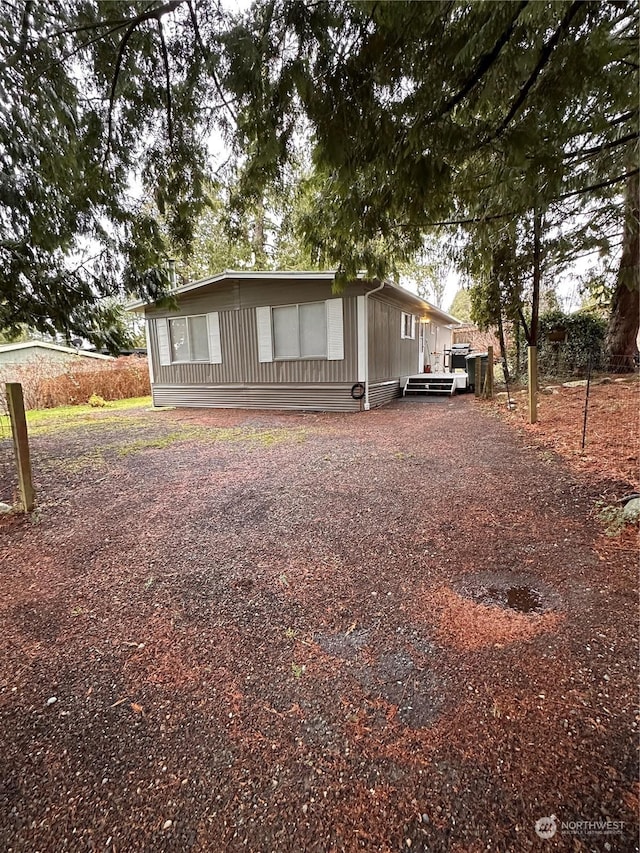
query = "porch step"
x=424 y=384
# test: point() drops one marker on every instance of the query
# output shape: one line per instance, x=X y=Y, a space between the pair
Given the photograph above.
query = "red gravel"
x=271 y=632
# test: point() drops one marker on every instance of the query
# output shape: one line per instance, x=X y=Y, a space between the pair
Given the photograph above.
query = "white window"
x=300 y=331
x=408 y=326
x=189 y=339
x=306 y=330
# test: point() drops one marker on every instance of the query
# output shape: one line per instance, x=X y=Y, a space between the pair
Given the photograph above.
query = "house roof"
x=55 y=347
x=432 y=310
x=306 y=275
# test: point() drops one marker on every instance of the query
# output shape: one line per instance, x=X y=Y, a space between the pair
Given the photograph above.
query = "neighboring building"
x=54 y=356
x=479 y=341
x=286 y=340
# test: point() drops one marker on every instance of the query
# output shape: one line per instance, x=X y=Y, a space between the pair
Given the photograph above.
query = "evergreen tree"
x=421 y=114
x=461 y=306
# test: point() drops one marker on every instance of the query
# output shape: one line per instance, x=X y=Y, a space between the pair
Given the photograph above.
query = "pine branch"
x=73 y=52
x=601 y=185
x=476 y=220
x=484 y=64
x=206 y=54
x=545 y=56
x=114 y=83
x=69 y=31
x=155 y=12
x=151 y=11
x=605 y=146
x=167 y=77
x=525 y=327
x=24 y=38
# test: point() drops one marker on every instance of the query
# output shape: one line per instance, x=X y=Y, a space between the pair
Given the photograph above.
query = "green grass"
x=120 y=415
x=43 y=421
x=36 y=417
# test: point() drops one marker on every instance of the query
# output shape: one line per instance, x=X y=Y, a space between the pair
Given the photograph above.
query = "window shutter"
x=215 y=347
x=265 y=342
x=164 y=348
x=335 y=330
x=147 y=336
x=402 y=325
x=413 y=326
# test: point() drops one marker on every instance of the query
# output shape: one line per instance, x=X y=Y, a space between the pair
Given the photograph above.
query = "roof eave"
x=267 y=275
x=448 y=319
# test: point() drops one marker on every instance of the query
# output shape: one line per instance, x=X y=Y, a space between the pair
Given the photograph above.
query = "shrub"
x=584 y=341
x=47 y=385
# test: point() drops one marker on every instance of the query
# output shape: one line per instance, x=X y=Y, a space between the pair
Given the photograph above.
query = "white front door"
x=421 y=339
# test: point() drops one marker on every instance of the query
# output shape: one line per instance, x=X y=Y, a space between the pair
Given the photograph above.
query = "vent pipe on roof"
x=171 y=271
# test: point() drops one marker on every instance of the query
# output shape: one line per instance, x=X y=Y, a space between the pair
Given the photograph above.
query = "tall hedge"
x=585 y=333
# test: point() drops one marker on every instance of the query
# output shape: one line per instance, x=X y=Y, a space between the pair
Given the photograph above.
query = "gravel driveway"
x=258 y=631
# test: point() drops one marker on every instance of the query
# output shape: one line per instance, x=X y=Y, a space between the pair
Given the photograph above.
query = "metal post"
x=15 y=402
x=586 y=404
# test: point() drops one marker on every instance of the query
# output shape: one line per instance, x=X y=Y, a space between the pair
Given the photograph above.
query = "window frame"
x=297 y=306
x=190 y=360
x=412 y=318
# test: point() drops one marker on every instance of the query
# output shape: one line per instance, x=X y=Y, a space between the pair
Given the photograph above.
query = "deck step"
x=423 y=385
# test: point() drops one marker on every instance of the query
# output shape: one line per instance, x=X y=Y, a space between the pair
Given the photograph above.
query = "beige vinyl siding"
x=234 y=296
x=390 y=355
x=240 y=364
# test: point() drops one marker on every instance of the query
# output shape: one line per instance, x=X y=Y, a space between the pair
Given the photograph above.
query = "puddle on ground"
x=520 y=592
x=524 y=599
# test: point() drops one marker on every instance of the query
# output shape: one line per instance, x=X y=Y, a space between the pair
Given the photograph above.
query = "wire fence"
x=611 y=408
x=593 y=413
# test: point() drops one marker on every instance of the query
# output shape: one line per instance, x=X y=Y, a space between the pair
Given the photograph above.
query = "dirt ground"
x=254 y=631
x=611 y=433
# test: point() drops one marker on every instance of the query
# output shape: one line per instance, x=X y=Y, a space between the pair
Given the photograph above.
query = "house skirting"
x=319 y=398
x=381 y=393
x=313 y=398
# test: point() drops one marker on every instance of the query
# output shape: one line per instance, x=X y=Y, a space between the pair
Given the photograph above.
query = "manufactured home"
x=289 y=340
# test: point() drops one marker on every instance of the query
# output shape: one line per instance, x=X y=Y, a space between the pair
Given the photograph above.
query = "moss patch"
x=263 y=438
x=98 y=457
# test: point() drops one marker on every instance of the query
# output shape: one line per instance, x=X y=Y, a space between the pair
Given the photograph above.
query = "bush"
x=46 y=385
x=584 y=341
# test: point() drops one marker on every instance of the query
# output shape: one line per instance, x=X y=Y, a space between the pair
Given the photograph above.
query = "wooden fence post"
x=477 y=389
x=15 y=402
x=532 y=367
x=490 y=372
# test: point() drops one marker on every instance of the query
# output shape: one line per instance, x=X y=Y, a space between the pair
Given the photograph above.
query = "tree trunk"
x=624 y=320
